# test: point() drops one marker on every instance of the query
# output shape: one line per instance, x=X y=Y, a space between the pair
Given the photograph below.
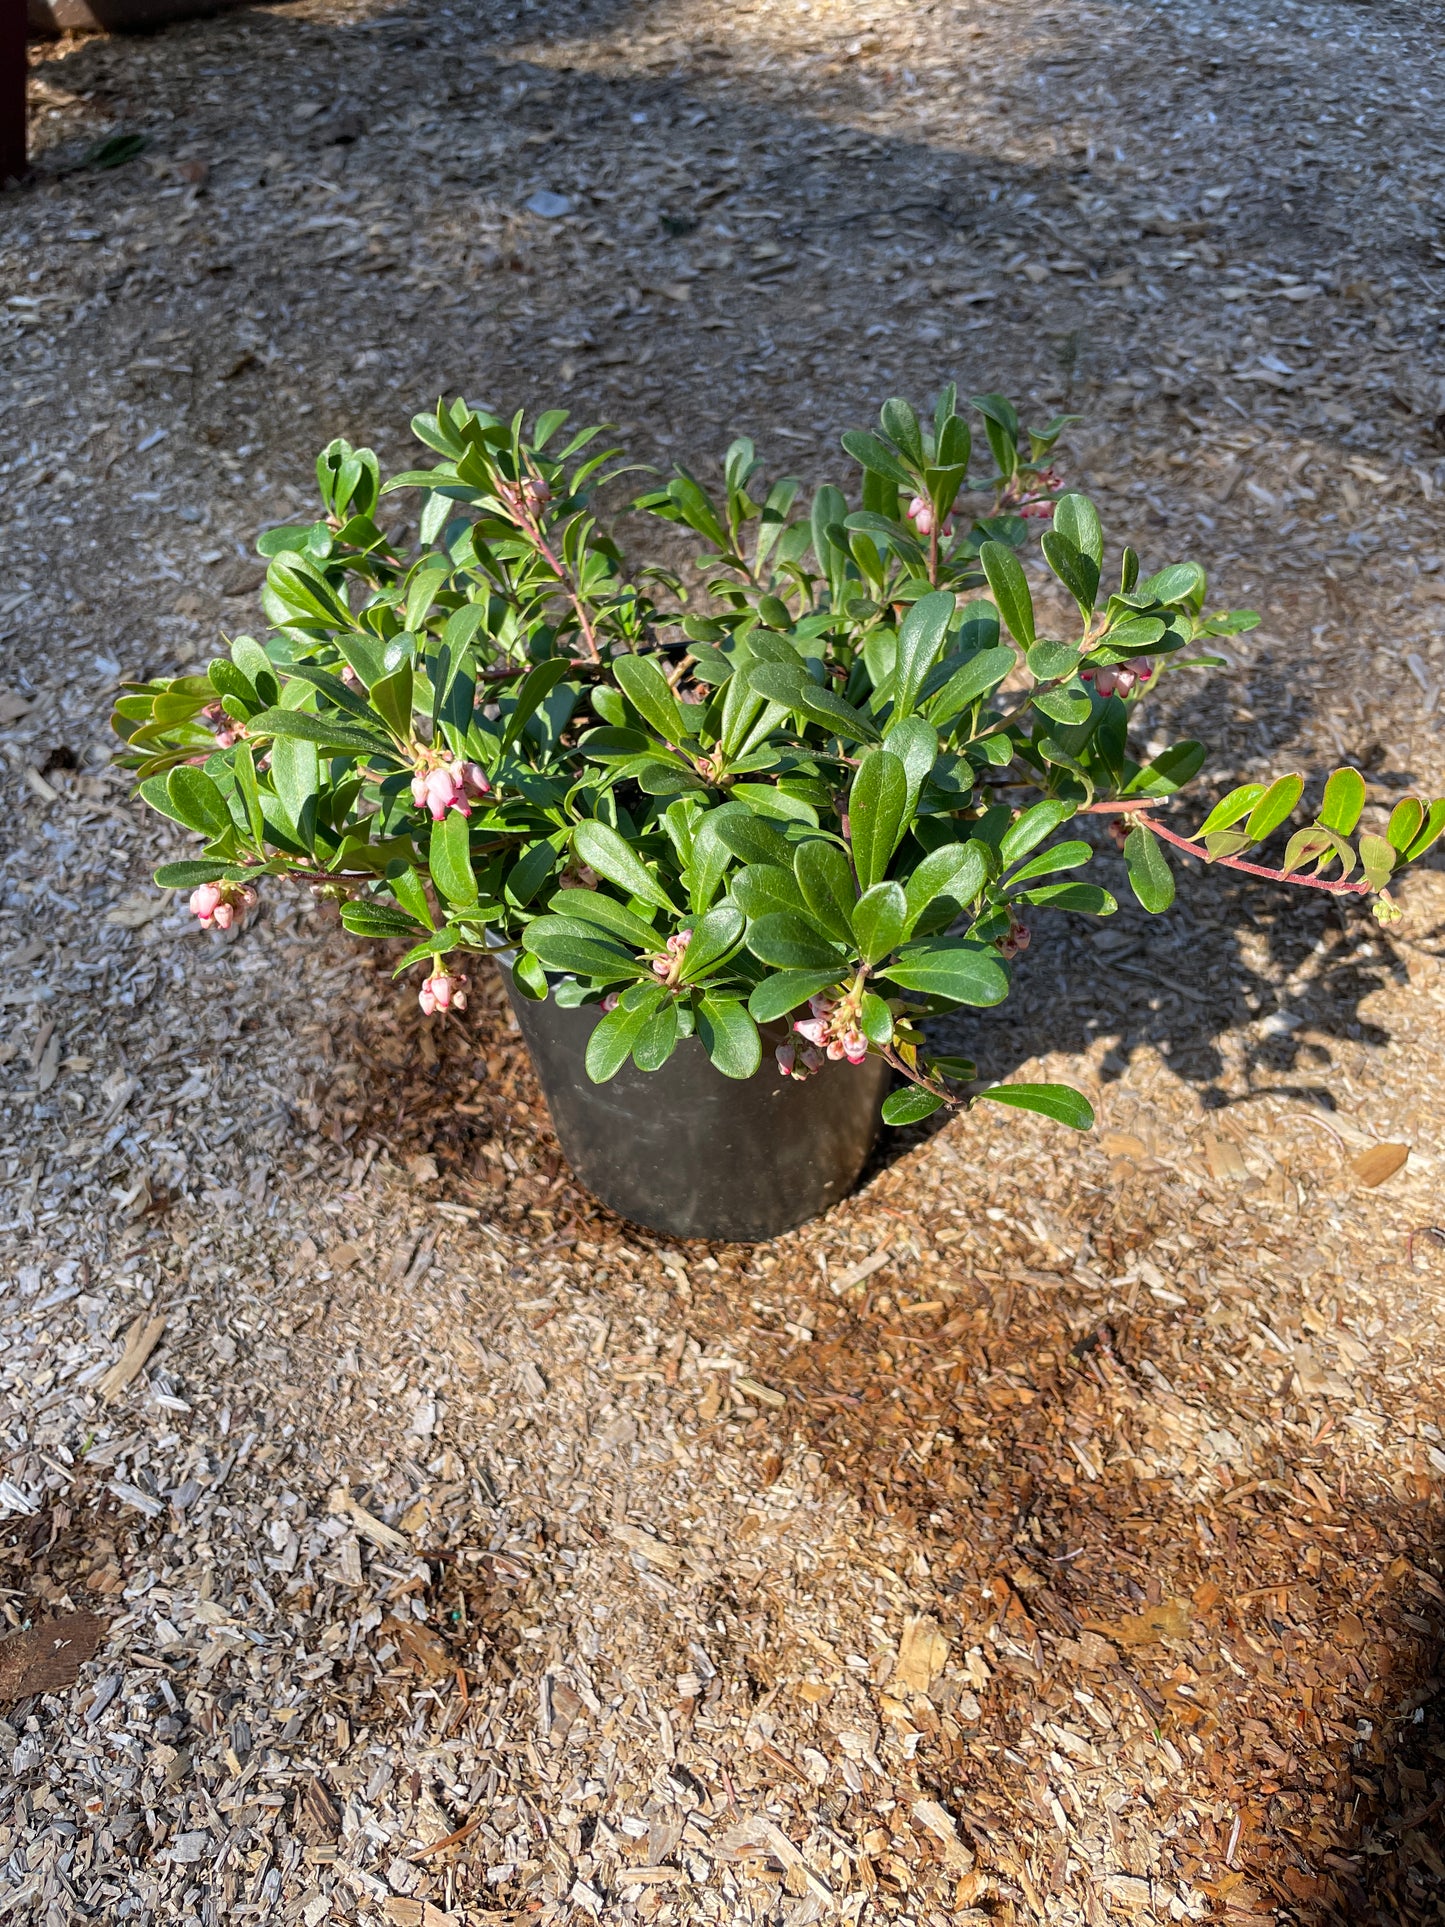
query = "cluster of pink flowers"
x=1117 y=679
x=833 y=1029
x=442 y=991
x=447 y=786
x=220 y=904
x=228 y=730
x=798 y=1064
x=668 y=965
x=920 y=513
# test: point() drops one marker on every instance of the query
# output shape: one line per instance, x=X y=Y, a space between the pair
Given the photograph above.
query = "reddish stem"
x=1337 y=888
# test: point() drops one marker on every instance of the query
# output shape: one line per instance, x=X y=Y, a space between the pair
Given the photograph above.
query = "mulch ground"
x=1052 y=1532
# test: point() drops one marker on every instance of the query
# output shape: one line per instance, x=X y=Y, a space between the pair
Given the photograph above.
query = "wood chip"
x=666 y=1558
x=940 y=1824
x=370 y=1527
x=1381 y=1161
x=922 y=1655
x=1168 y=1620
x=764 y=1394
x=141 y=1339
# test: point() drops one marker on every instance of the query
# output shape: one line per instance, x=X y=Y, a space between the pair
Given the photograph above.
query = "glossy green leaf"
x=1061 y=856
x=600 y=847
x=657 y=1039
x=951 y=967
x=714 y=937
x=955 y=872
x=1274 y=807
x=1231 y=808
x=1010 y=590
x=878 y=921
x=1086 y=898
x=1031 y=826
x=610 y=1045
x=561 y=945
x=646 y=688
x=825 y=878
x=973 y=678
x=1406 y=820
x=910 y=1105
x=327 y=732
x=920 y=638
x=449 y=860
x=870 y=454
x=1078 y=573
x=1150 y=876
x=367 y=918
x=792 y=943
x=776 y=995
x=1429 y=832
x=875 y=1019
x=1344 y=801
x=1169 y=771
x=595 y=906
x=729 y=1036
x=295 y=773
x=761 y=889
x=197 y=802
x=877 y=813
x=187 y=875
x=1061 y=1102
x=748 y=837
x=1077 y=520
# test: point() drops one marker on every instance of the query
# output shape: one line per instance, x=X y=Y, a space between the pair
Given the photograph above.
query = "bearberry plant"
x=814 y=808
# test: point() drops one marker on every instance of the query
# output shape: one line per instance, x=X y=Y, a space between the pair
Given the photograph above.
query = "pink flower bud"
x=205 y=900
x=441 y=991
x=224 y=915
x=814 y=1029
x=474 y=780
x=920 y=514
x=418 y=789
x=787 y=1056
x=611 y=1001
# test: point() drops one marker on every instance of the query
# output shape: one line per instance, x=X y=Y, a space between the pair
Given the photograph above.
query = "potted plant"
x=733 y=859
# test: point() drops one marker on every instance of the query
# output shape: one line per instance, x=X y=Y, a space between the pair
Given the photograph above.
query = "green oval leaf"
x=1344 y=801
x=197 y=801
x=713 y=938
x=792 y=943
x=951 y=967
x=187 y=875
x=1061 y=1102
x=877 y=812
x=1010 y=589
x=879 y=916
x=775 y=996
x=729 y=1036
x=1150 y=876
x=1277 y=803
x=910 y=1105
x=825 y=878
x=600 y=847
x=1231 y=808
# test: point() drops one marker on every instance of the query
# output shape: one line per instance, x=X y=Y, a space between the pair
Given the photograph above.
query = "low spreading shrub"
x=819 y=809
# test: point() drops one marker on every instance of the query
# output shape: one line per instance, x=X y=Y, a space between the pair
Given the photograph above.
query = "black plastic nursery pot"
x=695 y=1154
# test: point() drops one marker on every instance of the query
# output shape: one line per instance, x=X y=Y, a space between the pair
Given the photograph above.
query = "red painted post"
x=12 y=89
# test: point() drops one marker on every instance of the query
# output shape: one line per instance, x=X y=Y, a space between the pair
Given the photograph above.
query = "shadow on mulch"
x=1299 y=1684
